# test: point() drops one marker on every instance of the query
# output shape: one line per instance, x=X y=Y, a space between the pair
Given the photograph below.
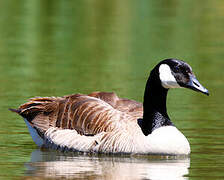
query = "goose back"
x=87 y=114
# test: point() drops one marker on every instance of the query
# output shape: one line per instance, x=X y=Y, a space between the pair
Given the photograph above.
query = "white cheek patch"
x=166 y=77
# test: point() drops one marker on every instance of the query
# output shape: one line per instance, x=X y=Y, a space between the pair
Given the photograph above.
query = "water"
x=54 y=48
x=105 y=167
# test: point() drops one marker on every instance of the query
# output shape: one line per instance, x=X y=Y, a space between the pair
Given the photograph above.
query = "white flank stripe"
x=36 y=138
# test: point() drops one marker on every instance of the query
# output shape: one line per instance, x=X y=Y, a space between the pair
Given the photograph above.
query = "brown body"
x=88 y=115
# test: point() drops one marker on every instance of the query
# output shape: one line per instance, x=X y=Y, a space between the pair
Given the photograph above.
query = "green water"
x=54 y=48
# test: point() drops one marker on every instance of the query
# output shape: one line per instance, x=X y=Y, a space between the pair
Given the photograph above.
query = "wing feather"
x=87 y=114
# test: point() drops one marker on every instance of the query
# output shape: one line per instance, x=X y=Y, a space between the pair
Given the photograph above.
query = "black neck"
x=154 y=106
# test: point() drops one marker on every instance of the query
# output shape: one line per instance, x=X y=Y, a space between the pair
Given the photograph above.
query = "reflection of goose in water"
x=51 y=164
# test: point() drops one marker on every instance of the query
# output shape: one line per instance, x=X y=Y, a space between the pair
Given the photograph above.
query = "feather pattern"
x=98 y=122
x=87 y=114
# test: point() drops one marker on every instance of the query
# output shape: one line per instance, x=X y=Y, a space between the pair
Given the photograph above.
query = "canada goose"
x=102 y=122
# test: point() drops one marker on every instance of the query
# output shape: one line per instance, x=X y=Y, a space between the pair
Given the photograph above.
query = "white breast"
x=169 y=140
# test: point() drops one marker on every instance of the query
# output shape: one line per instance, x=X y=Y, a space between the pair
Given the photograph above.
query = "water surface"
x=50 y=48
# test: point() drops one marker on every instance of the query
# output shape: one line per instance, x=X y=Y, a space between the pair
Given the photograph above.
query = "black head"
x=175 y=73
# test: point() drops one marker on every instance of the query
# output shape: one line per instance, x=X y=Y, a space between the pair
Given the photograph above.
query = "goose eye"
x=177 y=69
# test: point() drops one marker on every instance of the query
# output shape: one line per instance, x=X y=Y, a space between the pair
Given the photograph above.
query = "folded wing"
x=87 y=114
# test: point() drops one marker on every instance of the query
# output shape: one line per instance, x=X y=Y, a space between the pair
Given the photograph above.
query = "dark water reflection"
x=54 y=48
x=50 y=164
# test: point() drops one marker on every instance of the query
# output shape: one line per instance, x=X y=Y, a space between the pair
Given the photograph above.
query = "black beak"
x=195 y=85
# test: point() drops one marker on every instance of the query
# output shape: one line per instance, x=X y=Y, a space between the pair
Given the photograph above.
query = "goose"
x=101 y=122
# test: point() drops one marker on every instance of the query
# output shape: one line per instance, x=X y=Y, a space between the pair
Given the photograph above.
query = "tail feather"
x=18 y=111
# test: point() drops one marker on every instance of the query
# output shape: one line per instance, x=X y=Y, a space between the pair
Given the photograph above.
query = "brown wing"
x=121 y=104
x=88 y=114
